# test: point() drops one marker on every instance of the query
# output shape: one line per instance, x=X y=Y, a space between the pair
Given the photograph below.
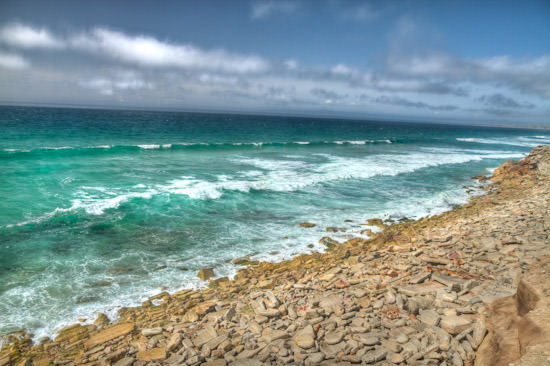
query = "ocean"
x=103 y=208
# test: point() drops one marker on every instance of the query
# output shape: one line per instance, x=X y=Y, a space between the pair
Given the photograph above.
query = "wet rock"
x=205 y=273
x=306 y=224
x=101 y=320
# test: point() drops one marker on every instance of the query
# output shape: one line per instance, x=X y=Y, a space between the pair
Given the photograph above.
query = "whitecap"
x=150 y=146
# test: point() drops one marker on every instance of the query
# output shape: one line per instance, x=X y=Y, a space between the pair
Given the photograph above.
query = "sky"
x=461 y=61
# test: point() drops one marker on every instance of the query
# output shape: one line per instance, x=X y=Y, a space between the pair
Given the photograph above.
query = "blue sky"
x=461 y=61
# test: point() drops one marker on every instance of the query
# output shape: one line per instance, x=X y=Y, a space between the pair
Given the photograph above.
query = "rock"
x=402 y=338
x=376 y=222
x=374 y=356
x=248 y=354
x=109 y=333
x=330 y=303
x=126 y=361
x=421 y=288
x=270 y=313
x=396 y=358
x=333 y=338
x=367 y=339
x=244 y=362
x=220 y=362
x=151 y=331
x=453 y=282
x=272 y=300
x=306 y=224
x=190 y=316
x=479 y=333
x=205 y=307
x=174 y=342
x=331 y=350
x=314 y=358
x=270 y=335
x=152 y=354
x=454 y=324
x=305 y=338
x=389 y=296
x=205 y=273
x=419 y=277
x=491 y=291
x=204 y=336
x=429 y=317
x=101 y=320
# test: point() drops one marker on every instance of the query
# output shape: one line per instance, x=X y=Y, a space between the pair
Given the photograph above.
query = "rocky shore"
x=468 y=287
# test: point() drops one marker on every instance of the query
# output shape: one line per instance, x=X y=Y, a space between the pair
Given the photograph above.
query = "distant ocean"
x=101 y=209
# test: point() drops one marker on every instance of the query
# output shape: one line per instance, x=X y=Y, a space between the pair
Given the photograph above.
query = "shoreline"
x=293 y=311
x=333 y=236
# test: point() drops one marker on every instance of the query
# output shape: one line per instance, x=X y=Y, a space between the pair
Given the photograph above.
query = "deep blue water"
x=100 y=209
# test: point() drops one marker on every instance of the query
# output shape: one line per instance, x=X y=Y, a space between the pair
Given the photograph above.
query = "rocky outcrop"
x=466 y=287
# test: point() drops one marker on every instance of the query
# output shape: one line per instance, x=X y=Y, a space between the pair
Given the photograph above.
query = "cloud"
x=148 y=51
x=361 y=13
x=328 y=96
x=13 y=61
x=384 y=99
x=500 y=101
x=527 y=75
x=412 y=80
x=264 y=9
x=23 y=36
x=140 y=50
x=124 y=80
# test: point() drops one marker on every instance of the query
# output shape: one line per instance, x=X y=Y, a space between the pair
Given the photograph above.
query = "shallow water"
x=100 y=209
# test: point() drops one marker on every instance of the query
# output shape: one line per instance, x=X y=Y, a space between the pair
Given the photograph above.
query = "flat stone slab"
x=449 y=281
x=421 y=288
x=108 y=334
x=429 y=317
x=205 y=336
x=152 y=354
x=492 y=291
x=454 y=324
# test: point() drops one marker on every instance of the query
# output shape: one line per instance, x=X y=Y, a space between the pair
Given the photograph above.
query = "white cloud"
x=291 y=64
x=342 y=69
x=148 y=51
x=24 y=36
x=124 y=80
x=407 y=78
x=13 y=61
x=263 y=9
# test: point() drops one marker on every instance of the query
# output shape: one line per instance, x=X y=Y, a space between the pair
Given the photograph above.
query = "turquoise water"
x=100 y=209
